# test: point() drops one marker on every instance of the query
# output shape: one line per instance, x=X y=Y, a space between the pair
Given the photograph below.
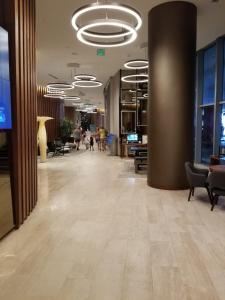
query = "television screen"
x=132 y=138
x=5 y=93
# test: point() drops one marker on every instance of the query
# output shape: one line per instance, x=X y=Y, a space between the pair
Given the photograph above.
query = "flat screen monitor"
x=5 y=91
x=132 y=137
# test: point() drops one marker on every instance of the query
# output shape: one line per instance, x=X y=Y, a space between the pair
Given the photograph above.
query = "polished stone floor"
x=100 y=233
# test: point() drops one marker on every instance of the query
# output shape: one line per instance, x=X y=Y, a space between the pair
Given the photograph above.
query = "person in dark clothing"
x=91 y=143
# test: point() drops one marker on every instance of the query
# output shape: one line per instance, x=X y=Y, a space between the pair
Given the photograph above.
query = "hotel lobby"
x=112 y=150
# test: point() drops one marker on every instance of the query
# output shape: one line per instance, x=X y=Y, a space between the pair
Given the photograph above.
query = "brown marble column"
x=172 y=50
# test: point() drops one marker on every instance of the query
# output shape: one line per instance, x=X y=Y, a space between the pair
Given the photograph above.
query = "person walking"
x=102 y=134
x=77 y=137
x=91 y=143
x=97 y=138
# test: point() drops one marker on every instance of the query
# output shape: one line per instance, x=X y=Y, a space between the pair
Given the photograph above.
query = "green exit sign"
x=100 y=52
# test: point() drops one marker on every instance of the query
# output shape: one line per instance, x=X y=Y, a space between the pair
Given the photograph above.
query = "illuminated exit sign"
x=100 y=52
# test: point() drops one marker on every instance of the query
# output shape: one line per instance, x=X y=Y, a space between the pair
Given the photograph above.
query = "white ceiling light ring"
x=60 y=86
x=54 y=96
x=137 y=64
x=115 y=23
x=145 y=95
x=73 y=98
x=118 y=7
x=55 y=91
x=84 y=77
x=87 y=83
x=129 y=78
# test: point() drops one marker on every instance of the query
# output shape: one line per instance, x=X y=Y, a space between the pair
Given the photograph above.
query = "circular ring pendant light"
x=84 y=77
x=103 y=23
x=87 y=83
x=137 y=78
x=126 y=32
x=60 y=86
x=55 y=96
x=145 y=95
x=137 y=64
x=72 y=98
x=55 y=91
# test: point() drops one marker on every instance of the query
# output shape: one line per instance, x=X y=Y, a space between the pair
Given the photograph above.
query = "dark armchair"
x=216 y=182
x=196 y=178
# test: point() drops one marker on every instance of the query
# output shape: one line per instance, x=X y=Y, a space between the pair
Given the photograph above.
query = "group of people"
x=88 y=138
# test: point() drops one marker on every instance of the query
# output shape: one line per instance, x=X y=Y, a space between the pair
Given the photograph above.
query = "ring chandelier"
x=137 y=64
x=87 y=83
x=55 y=96
x=55 y=91
x=145 y=95
x=60 y=86
x=84 y=77
x=127 y=32
x=136 y=78
x=73 y=98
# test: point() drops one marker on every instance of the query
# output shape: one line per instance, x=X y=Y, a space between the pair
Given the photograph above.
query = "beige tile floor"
x=100 y=233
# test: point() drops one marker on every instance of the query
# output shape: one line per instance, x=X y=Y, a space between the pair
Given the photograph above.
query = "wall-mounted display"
x=5 y=89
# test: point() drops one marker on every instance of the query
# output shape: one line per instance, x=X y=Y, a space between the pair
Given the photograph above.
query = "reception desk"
x=129 y=149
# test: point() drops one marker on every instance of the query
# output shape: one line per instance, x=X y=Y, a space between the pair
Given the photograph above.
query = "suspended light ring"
x=113 y=7
x=129 y=78
x=107 y=22
x=87 y=83
x=73 y=98
x=55 y=91
x=84 y=77
x=60 y=86
x=145 y=95
x=55 y=96
x=137 y=64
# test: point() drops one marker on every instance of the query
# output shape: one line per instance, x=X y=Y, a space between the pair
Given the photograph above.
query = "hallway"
x=100 y=233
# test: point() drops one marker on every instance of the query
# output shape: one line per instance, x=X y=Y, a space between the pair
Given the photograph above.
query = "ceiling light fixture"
x=145 y=95
x=55 y=91
x=137 y=64
x=55 y=96
x=73 y=98
x=87 y=83
x=84 y=77
x=103 y=23
x=60 y=86
x=137 y=78
x=127 y=35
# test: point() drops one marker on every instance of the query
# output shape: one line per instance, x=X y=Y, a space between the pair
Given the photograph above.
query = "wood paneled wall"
x=51 y=108
x=18 y=17
x=70 y=113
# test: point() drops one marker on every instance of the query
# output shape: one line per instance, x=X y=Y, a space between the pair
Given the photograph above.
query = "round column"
x=172 y=51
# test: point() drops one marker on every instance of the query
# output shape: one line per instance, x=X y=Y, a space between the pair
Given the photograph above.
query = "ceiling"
x=57 y=45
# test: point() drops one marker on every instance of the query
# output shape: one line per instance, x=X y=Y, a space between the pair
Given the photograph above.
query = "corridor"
x=100 y=233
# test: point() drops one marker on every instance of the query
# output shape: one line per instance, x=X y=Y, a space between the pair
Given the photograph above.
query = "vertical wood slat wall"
x=49 y=107
x=18 y=17
x=70 y=113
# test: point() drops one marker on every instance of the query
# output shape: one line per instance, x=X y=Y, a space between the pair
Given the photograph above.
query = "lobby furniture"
x=140 y=161
x=42 y=136
x=217 y=168
x=130 y=149
x=196 y=178
x=216 y=182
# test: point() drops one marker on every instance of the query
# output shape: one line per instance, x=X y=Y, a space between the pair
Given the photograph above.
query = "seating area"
x=212 y=181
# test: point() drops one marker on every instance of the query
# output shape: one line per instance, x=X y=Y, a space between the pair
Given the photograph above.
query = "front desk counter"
x=129 y=149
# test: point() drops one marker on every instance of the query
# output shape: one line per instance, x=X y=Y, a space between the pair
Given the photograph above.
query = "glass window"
x=224 y=70
x=209 y=75
x=207 y=133
x=222 y=126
